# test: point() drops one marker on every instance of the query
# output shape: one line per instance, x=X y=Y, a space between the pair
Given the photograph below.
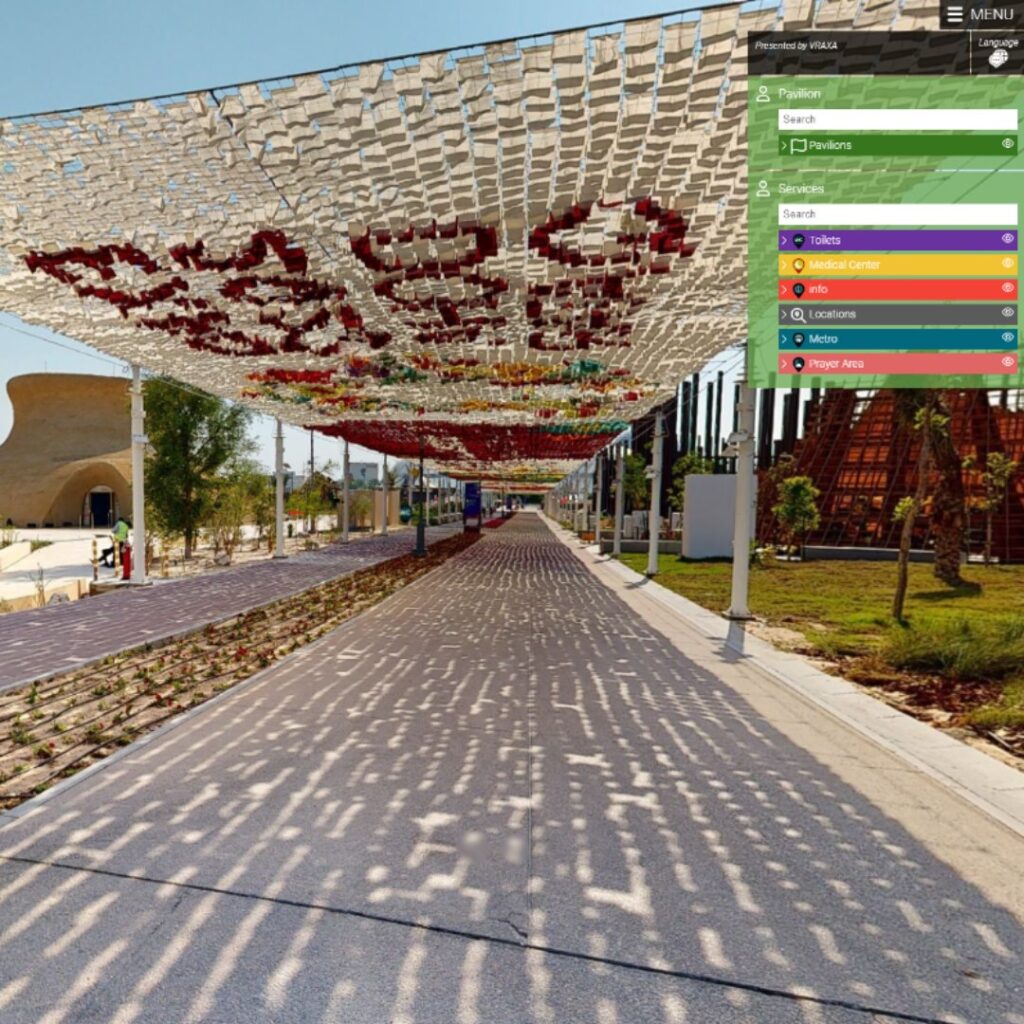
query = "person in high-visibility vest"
x=119 y=537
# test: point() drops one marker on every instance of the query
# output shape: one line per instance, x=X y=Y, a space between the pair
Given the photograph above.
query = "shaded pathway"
x=401 y=822
x=38 y=643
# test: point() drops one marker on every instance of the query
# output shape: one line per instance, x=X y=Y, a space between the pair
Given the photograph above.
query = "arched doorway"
x=99 y=507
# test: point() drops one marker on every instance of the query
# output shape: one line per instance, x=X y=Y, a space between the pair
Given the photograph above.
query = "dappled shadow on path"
x=497 y=797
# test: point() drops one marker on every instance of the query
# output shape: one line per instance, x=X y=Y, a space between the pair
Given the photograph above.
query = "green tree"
x=797 y=509
x=1000 y=470
x=262 y=495
x=360 y=504
x=192 y=436
x=916 y=409
x=228 y=510
x=949 y=501
x=636 y=487
x=689 y=464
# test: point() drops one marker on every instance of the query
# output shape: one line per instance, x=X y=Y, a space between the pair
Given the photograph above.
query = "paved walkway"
x=37 y=643
x=500 y=797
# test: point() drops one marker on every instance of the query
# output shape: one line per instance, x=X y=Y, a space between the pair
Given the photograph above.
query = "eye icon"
x=1008 y=287
x=1009 y=362
x=1008 y=311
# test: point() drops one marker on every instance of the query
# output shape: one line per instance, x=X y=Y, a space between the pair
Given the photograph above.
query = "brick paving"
x=500 y=797
x=38 y=643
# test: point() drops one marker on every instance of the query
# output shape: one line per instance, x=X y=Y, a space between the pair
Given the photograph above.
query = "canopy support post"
x=345 y=504
x=620 y=501
x=654 y=519
x=139 y=441
x=743 y=530
x=279 y=492
x=421 y=521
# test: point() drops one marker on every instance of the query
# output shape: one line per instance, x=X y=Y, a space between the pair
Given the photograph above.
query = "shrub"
x=797 y=509
x=962 y=649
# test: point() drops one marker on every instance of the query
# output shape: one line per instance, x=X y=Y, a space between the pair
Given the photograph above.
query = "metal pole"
x=421 y=524
x=620 y=500
x=744 y=519
x=597 y=501
x=279 y=492
x=344 y=495
x=654 y=527
x=384 y=521
x=312 y=482
x=139 y=441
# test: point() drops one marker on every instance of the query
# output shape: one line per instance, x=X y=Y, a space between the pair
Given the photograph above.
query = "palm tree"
x=912 y=411
x=948 y=501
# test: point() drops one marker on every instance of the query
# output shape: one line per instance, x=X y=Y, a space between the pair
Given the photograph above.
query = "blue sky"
x=69 y=53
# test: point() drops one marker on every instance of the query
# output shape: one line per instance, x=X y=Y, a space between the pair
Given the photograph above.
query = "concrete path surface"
x=501 y=797
x=67 y=557
x=37 y=643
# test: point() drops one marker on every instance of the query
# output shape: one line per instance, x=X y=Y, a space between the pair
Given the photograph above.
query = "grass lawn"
x=970 y=637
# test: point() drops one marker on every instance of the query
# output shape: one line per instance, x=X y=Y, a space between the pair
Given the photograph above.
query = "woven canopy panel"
x=500 y=254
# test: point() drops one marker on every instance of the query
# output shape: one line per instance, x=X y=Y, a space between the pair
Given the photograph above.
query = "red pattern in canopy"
x=465 y=444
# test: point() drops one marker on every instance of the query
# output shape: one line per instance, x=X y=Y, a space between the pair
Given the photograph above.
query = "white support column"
x=620 y=501
x=384 y=523
x=597 y=501
x=743 y=530
x=654 y=525
x=344 y=496
x=279 y=491
x=139 y=441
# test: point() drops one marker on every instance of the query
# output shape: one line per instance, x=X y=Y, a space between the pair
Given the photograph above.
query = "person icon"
x=763 y=191
x=799 y=338
x=762 y=94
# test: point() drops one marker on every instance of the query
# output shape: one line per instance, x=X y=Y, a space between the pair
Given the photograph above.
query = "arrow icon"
x=783 y=364
x=783 y=146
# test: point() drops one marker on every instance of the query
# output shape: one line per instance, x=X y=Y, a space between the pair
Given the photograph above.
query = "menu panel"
x=884 y=219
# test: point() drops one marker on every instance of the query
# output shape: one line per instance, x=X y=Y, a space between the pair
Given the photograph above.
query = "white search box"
x=844 y=215
x=915 y=119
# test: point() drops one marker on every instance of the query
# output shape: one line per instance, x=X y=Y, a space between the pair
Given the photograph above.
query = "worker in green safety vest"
x=119 y=537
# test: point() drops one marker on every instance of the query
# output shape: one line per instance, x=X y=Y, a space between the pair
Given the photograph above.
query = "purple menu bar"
x=913 y=240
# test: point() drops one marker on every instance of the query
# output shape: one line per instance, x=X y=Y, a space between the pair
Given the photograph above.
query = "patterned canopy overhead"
x=502 y=253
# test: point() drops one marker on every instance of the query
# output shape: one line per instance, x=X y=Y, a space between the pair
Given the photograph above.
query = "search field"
x=899 y=214
x=914 y=119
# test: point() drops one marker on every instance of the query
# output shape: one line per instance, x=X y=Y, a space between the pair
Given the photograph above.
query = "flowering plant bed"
x=493 y=524
x=53 y=729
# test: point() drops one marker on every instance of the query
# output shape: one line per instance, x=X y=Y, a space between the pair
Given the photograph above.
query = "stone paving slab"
x=36 y=644
x=503 y=797
x=988 y=783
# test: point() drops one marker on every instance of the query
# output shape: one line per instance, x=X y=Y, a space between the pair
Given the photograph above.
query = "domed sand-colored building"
x=67 y=460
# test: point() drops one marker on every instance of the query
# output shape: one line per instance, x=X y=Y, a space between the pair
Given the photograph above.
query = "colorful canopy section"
x=498 y=255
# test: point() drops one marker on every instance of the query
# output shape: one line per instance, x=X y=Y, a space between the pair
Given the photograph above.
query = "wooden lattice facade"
x=863 y=462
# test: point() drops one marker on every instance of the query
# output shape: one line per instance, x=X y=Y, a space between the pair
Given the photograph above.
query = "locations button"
x=897 y=314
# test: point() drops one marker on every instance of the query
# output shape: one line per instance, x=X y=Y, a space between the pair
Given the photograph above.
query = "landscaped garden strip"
x=53 y=729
